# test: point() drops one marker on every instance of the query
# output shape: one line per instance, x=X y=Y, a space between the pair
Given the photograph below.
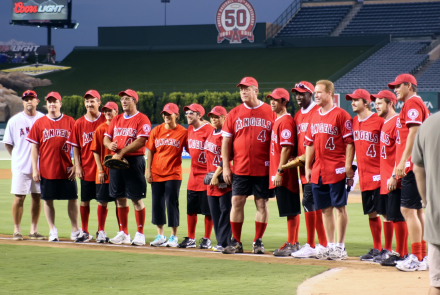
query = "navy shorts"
x=371 y=201
x=393 y=210
x=197 y=203
x=258 y=186
x=307 y=201
x=58 y=189
x=329 y=195
x=410 y=197
x=129 y=183
x=288 y=202
x=88 y=191
x=103 y=193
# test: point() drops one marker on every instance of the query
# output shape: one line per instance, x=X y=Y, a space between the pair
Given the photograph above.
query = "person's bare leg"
x=17 y=211
x=342 y=223
x=237 y=210
x=262 y=214
x=434 y=291
x=415 y=230
x=329 y=223
x=72 y=209
x=49 y=211
x=174 y=230
x=160 y=229
x=35 y=211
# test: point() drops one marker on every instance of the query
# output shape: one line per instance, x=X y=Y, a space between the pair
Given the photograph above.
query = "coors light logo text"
x=21 y=8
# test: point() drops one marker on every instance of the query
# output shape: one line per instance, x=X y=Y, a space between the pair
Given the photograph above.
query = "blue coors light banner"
x=39 y=10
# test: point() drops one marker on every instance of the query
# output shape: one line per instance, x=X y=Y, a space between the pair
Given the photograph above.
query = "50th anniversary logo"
x=235 y=21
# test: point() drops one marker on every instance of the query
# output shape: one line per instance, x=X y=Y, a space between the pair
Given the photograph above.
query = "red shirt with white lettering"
x=124 y=130
x=387 y=152
x=366 y=136
x=414 y=112
x=51 y=136
x=196 y=149
x=302 y=119
x=329 y=133
x=98 y=146
x=213 y=149
x=250 y=130
x=81 y=137
x=283 y=134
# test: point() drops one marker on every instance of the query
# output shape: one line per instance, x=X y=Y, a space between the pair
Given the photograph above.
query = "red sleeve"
x=309 y=137
x=413 y=113
x=110 y=129
x=73 y=138
x=346 y=124
x=34 y=134
x=228 y=126
x=287 y=133
x=150 y=143
x=97 y=140
x=144 y=127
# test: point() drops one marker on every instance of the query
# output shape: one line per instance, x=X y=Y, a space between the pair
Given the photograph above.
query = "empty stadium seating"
x=430 y=79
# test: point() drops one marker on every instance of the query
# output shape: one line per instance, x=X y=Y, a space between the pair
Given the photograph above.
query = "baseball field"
x=37 y=267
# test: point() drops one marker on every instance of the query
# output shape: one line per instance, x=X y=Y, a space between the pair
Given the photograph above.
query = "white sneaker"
x=173 y=241
x=338 y=253
x=412 y=264
x=75 y=234
x=102 y=237
x=159 y=241
x=322 y=253
x=121 y=238
x=305 y=252
x=425 y=260
x=53 y=235
x=404 y=260
x=139 y=239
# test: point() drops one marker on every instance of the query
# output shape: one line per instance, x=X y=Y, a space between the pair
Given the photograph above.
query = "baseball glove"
x=208 y=178
x=115 y=163
x=299 y=161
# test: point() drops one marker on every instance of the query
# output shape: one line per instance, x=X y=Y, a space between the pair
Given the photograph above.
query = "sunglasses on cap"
x=189 y=113
x=300 y=85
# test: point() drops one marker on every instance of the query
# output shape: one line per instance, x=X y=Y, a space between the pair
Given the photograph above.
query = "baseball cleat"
x=233 y=247
x=370 y=255
x=322 y=253
x=285 y=250
x=174 y=242
x=258 y=247
x=392 y=259
x=187 y=243
x=159 y=241
x=338 y=253
x=17 y=236
x=412 y=264
x=84 y=237
x=218 y=248
x=75 y=234
x=36 y=236
x=205 y=243
x=305 y=252
x=53 y=235
x=384 y=254
x=296 y=247
x=139 y=239
x=121 y=238
x=101 y=237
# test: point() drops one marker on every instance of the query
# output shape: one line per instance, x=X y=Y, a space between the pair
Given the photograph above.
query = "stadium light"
x=165 y=1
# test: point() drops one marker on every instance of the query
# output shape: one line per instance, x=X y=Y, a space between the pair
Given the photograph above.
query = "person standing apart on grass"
x=197 y=199
x=304 y=97
x=19 y=148
x=164 y=173
x=102 y=177
x=413 y=114
x=53 y=168
x=126 y=137
x=284 y=182
x=219 y=195
x=329 y=141
x=246 y=133
x=85 y=167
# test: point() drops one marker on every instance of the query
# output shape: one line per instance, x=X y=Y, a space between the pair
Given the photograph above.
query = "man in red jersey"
x=284 y=182
x=54 y=170
x=126 y=137
x=390 y=186
x=412 y=115
x=85 y=167
x=197 y=200
x=366 y=136
x=329 y=141
x=246 y=133
x=304 y=96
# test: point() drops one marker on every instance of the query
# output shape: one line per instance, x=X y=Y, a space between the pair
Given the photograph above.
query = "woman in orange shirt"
x=164 y=173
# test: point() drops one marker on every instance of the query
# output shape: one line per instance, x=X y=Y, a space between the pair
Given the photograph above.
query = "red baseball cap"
x=30 y=93
x=111 y=106
x=93 y=93
x=195 y=108
x=403 y=78
x=248 y=81
x=55 y=95
x=170 y=108
x=130 y=93
x=359 y=94
x=385 y=94
x=218 y=111
x=279 y=93
x=304 y=86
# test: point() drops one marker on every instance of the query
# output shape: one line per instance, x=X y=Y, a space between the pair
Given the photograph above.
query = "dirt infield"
x=344 y=277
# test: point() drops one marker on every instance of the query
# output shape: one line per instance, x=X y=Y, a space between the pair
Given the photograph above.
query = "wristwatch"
x=280 y=171
x=393 y=176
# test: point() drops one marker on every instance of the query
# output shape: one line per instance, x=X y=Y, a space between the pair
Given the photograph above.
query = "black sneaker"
x=205 y=243
x=296 y=247
x=233 y=247
x=370 y=255
x=83 y=237
x=187 y=243
x=384 y=254
x=258 y=247
x=285 y=250
x=392 y=259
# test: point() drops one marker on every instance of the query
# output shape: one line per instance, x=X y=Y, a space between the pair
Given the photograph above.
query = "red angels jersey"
x=250 y=130
x=51 y=136
x=82 y=137
x=124 y=130
x=387 y=152
x=196 y=149
x=329 y=133
x=413 y=111
x=213 y=149
x=283 y=134
x=302 y=119
x=366 y=136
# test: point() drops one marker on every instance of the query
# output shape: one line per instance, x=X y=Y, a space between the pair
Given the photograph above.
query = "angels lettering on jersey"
x=246 y=122
x=216 y=150
x=24 y=131
x=87 y=137
x=166 y=141
x=48 y=134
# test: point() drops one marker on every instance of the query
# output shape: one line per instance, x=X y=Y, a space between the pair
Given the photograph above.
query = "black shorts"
x=243 y=185
x=288 y=202
x=103 y=193
x=307 y=201
x=58 y=189
x=393 y=211
x=197 y=203
x=161 y=192
x=329 y=195
x=383 y=205
x=410 y=197
x=129 y=183
x=371 y=201
x=88 y=190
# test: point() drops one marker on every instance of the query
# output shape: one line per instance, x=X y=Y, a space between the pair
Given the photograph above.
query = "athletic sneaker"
x=322 y=253
x=403 y=260
x=101 y=237
x=75 y=234
x=425 y=260
x=392 y=259
x=53 y=235
x=187 y=243
x=205 y=243
x=218 y=248
x=84 y=237
x=159 y=241
x=174 y=241
x=305 y=252
x=17 y=236
x=36 y=236
x=121 y=238
x=338 y=253
x=384 y=254
x=258 y=247
x=370 y=255
x=233 y=247
x=285 y=250
x=139 y=239
x=412 y=264
x=296 y=247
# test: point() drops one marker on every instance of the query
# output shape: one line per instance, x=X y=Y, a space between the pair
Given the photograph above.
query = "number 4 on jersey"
x=383 y=153
x=371 y=152
x=330 y=145
x=262 y=136
x=202 y=158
